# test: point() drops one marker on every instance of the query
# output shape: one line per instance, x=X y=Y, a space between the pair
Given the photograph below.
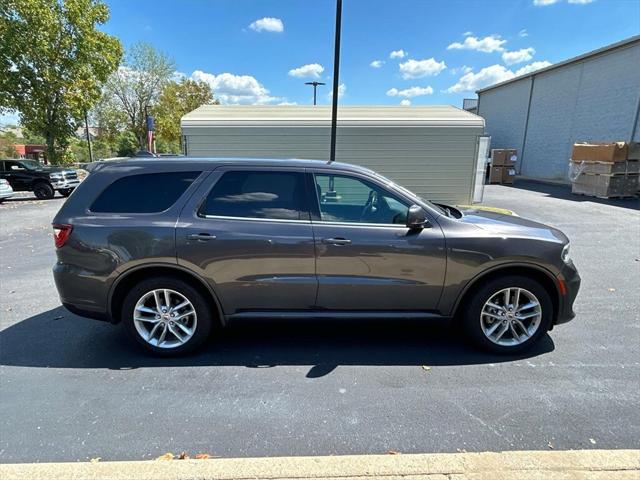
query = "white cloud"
x=342 y=91
x=532 y=67
x=463 y=69
x=376 y=63
x=235 y=89
x=405 y=102
x=523 y=33
x=305 y=71
x=398 y=54
x=410 y=92
x=267 y=24
x=470 y=82
x=421 y=68
x=467 y=34
x=518 y=56
x=491 y=75
x=288 y=103
x=492 y=43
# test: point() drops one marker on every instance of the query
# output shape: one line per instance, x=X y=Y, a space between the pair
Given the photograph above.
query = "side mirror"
x=417 y=218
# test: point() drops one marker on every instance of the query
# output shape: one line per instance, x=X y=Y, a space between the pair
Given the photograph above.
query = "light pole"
x=86 y=126
x=315 y=86
x=336 y=82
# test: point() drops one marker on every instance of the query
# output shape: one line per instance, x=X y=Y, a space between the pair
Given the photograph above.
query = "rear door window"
x=145 y=193
x=258 y=194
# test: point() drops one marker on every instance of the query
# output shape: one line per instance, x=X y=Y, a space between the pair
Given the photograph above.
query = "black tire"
x=43 y=191
x=204 y=313
x=471 y=317
x=65 y=192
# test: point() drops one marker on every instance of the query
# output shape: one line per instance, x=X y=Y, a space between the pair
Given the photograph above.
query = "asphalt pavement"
x=75 y=389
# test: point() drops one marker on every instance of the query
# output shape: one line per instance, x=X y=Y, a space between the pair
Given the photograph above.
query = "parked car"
x=173 y=248
x=5 y=190
x=43 y=181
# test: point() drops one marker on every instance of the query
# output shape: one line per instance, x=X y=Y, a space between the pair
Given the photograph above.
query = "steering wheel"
x=367 y=210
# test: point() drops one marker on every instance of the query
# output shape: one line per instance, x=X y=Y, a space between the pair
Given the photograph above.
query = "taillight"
x=61 y=233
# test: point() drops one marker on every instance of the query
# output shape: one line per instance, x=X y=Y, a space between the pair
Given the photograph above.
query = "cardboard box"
x=503 y=157
x=600 y=152
x=606 y=186
x=495 y=174
x=608 y=168
x=508 y=175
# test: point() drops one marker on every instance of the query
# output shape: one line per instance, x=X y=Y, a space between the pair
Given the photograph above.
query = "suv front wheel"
x=508 y=314
x=167 y=316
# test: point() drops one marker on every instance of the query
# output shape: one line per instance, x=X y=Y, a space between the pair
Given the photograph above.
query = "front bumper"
x=65 y=184
x=571 y=280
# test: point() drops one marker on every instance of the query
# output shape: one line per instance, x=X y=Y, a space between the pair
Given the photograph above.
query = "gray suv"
x=174 y=248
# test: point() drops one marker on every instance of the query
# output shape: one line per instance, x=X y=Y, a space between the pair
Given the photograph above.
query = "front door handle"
x=336 y=241
x=201 y=236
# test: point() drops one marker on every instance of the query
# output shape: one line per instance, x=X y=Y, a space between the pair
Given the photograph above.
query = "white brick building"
x=592 y=97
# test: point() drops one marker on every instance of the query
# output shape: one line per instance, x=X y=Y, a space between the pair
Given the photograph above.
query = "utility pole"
x=86 y=127
x=336 y=82
x=315 y=86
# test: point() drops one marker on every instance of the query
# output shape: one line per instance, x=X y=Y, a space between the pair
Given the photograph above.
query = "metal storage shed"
x=431 y=150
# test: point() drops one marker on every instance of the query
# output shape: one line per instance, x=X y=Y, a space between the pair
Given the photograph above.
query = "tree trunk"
x=52 y=155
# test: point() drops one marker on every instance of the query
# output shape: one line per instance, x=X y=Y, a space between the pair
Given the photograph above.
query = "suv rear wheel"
x=43 y=191
x=508 y=314
x=167 y=316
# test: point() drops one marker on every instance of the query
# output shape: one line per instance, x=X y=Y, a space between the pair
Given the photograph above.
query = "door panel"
x=366 y=258
x=251 y=263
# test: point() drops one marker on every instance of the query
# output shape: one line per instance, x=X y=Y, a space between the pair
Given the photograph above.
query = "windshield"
x=31 y=164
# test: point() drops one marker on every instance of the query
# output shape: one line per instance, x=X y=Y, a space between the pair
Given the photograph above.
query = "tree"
x=136 y=85
x=176 y=100
x=53 y=61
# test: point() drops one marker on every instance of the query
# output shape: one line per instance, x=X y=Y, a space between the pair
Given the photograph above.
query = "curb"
x=521 y=465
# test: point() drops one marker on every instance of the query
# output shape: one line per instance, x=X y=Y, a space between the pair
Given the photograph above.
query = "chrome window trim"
x=357 y=224
x=255 y=219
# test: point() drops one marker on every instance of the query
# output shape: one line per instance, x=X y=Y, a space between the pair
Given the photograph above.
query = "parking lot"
x=75 y=389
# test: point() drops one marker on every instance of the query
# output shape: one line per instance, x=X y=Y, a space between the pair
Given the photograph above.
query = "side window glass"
x=351 y=200
x=146 y=193
x=258 y=194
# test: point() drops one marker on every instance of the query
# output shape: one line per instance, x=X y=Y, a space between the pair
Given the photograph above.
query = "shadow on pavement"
x=563 y=192
x=59 y=339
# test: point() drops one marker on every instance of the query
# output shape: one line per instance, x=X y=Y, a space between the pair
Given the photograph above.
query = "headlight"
x=565 y=253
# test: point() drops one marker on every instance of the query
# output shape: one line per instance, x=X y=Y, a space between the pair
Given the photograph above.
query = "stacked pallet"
x=503 y=163
x=605 y=170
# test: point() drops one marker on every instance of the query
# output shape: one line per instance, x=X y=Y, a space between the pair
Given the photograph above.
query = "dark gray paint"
x=269 y=266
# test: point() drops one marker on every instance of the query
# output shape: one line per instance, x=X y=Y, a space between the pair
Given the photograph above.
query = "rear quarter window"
x=144 y=193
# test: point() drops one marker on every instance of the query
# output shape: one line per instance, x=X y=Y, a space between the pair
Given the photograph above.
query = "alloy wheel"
x=511 y=316
x=165 y=318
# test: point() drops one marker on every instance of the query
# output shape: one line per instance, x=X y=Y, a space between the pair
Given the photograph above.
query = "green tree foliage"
x=136 y=86
x=53 y=61
x=176 y=100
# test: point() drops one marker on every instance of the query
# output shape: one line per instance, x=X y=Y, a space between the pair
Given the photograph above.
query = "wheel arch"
x=129 y=278
x=541 y=275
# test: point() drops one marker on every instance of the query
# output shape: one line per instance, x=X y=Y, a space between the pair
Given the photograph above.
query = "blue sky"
x=448 y=47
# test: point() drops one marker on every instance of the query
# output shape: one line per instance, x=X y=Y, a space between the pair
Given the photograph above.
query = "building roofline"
x=614 y=46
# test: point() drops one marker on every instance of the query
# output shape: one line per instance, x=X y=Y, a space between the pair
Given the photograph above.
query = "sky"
x=393 y=52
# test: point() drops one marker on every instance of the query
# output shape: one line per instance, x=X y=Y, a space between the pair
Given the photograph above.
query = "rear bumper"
x=571 y=280
x=79 y=293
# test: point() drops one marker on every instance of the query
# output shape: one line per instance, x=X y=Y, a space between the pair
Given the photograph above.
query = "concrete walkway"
x=523 y=465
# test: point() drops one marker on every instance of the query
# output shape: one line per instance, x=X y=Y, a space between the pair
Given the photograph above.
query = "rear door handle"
x=336 y=241
x=201 y=236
